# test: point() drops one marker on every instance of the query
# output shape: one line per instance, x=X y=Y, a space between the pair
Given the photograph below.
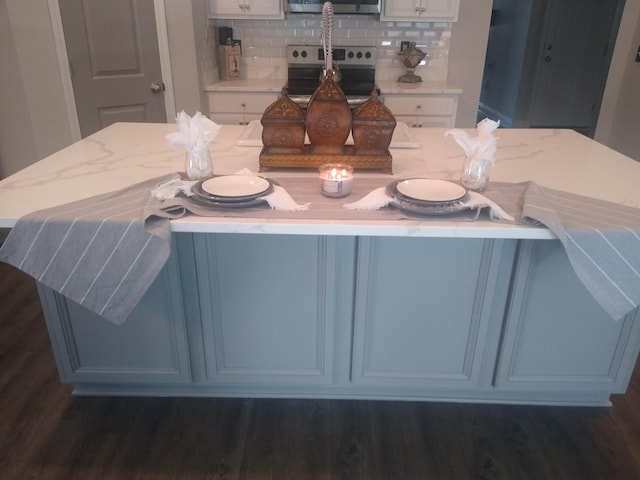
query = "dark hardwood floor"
x=46 y=433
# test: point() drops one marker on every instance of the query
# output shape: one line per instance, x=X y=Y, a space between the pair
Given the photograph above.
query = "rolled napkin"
x=278 y=199
x=194 y=135
x=379 y=198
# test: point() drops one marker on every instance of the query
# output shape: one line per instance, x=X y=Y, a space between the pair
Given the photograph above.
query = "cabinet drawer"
x=427 y=121
x=240 y=102
x=424 y=105
x=234 y=118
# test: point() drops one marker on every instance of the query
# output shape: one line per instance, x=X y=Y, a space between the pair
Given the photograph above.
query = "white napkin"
x=379 y=198
x=194 y=132
x=483 y=145
x=278 y=199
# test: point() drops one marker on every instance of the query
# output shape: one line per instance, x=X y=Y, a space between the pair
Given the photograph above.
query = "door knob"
x=157 y=88
x=547 y=58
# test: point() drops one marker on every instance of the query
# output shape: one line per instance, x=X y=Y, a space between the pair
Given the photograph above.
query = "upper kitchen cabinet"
x=421 y=10
x=246 y=9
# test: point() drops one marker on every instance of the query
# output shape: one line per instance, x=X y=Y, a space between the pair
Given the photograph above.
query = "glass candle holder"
x=198 y=164
x=336 y=179
x=475 y=173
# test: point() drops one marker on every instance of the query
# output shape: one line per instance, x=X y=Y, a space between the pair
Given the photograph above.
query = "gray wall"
x=33 y=116
x=466 y=57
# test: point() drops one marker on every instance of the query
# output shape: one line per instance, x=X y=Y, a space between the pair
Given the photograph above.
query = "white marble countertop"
x=127 y=153
x=386 y=86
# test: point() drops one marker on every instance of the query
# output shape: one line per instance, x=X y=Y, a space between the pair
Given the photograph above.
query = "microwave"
x=339 y=6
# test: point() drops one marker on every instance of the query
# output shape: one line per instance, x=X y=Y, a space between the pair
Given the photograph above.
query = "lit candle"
x=336 y=179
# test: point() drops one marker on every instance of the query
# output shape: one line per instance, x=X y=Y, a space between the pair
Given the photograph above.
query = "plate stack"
x=428 y=196
x=232 y=191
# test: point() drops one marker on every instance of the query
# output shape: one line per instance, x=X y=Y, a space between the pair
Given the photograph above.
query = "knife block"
x=327 y=121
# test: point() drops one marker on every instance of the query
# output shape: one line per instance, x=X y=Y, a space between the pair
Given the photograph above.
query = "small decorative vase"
x=411 y=58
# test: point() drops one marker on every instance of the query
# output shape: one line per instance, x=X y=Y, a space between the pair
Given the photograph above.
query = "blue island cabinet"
x=359 y=317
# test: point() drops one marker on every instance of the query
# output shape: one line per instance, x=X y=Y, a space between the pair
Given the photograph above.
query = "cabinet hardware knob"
x=418 y=9
x=423 y=9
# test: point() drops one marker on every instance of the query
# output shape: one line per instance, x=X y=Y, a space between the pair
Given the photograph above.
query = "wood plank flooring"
x=46 y=433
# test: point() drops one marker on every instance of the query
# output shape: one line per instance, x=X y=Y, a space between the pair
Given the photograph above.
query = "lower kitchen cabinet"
x=150 y=347
x=423 y=308
x=271 y=305
x=557 y=337
x=317 y=316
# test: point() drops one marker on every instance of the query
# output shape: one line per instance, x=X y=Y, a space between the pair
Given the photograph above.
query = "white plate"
x=431 y=190
x=235 y=185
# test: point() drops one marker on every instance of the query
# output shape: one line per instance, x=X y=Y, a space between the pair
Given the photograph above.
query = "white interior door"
x=114 y=59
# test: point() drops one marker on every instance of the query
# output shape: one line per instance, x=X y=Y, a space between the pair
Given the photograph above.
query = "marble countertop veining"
x=126 y=153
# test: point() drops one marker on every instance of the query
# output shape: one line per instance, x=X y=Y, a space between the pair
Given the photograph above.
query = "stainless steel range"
x=356 y=67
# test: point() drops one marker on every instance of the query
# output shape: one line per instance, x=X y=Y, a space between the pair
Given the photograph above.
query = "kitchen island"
x=416 y=309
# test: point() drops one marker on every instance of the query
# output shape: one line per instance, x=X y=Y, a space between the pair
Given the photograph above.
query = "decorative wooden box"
x=328 y=121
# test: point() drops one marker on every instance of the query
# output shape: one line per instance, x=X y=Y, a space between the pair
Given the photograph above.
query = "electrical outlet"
x=404 y=45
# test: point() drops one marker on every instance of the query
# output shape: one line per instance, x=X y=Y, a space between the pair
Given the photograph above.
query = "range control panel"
x=314 y=55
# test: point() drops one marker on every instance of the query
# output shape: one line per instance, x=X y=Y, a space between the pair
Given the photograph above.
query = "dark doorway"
x=547 y=62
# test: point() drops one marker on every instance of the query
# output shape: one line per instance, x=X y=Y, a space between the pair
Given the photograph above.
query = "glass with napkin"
x=194 y=135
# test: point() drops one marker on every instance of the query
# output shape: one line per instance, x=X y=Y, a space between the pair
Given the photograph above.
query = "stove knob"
x=367 y=55
x=359 y=55
x=350 y=55
x=295 y=54
x=304 y=54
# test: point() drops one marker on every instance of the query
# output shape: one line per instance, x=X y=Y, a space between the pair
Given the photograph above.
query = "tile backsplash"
x=264 y=43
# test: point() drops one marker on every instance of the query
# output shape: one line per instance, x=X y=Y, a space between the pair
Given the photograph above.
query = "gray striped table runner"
x=97 y=252
x=104 y=252
x=601 y=239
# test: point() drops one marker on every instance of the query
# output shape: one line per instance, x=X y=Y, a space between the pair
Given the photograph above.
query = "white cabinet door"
x=423 y=307
x=557 y=337
x=245 y=9
x=421 y=10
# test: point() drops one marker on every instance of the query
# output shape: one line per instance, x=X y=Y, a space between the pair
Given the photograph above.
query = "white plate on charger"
x=431 y=190
x=236 y=185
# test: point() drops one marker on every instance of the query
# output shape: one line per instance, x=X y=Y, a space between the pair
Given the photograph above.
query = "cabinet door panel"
x=268 y=305
x=422 y=308
x=149 y=347
x=558 y=337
